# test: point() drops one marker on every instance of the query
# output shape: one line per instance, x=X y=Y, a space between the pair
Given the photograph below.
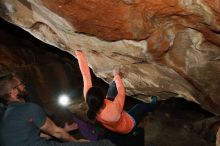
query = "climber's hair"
x=95 y=100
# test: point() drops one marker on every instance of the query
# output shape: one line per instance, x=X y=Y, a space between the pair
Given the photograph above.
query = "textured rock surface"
x=218 y=137
x=48 y=72
x=180 y=124
x=165 y=47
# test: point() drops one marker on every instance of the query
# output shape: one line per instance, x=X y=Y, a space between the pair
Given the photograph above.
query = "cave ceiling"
x=164 y=47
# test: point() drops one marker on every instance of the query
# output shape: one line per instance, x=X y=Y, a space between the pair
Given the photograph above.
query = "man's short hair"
x=7 y=82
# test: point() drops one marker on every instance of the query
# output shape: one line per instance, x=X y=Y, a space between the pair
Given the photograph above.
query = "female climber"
x=109 y=110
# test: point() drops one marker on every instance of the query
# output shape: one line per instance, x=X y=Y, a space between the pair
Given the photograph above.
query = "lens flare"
x=63 y=100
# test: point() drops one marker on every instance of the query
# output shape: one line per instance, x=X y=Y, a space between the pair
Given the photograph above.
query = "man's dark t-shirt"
x=21 y=123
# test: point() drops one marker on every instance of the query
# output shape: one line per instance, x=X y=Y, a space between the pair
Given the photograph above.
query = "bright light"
x=63 y=100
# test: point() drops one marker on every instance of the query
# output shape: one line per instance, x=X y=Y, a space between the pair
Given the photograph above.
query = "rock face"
x=218 y=138
x=180 y=124
x=165 y=47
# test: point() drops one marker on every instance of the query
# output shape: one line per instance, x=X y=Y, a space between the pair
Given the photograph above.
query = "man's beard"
x=23 y=95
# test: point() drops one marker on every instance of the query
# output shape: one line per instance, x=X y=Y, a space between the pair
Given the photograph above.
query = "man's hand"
x=43 y=135
x=70 y=127
x=83 y=140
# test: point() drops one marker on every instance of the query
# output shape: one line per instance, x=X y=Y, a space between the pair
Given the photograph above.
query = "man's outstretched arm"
x=52 y=129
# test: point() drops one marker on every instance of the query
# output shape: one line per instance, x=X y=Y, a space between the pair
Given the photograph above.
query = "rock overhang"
x=165 y=48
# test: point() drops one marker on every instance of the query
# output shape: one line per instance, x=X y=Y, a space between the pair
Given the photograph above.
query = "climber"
x=109 y=111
